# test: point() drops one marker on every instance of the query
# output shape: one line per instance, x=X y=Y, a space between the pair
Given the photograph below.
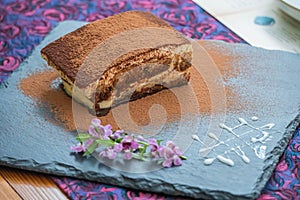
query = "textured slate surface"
x=29 y=141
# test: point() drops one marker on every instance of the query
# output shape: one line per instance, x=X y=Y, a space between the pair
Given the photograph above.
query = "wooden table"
x=20 y=184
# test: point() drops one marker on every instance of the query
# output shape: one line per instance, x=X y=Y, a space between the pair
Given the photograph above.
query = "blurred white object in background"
x=290 y=7
x=261 y=23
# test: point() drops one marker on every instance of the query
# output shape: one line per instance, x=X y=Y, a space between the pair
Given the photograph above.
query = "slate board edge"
x=281 y=146
x=168 y=189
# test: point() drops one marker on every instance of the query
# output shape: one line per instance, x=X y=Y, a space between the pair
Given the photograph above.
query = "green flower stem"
x=107 y=143
x=143 y=143
x=143 y=151
x=91 y=148
x=138 y=157
x=82 y=137
x=183 y=157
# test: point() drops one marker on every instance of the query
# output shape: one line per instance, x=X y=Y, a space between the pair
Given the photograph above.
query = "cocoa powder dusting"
x=38 y=86
x=192 y=98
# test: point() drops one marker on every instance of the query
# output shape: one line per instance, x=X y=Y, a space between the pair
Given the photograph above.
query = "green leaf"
x=119 y=140
x=158 y=142
x=82 y=137
x=105 y=142
x=91 y=148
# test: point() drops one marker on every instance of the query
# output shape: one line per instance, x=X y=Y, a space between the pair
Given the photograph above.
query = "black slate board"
x=29 y=141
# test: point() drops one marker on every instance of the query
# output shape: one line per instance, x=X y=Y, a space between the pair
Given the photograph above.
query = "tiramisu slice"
x=120 y=58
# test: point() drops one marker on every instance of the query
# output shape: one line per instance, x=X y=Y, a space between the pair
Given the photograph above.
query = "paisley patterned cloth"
x=24 y=24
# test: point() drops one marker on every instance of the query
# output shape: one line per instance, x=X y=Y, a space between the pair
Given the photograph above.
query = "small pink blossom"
x=82 y=147
x=171 y=154
x=177 y=151
x=177 y=161
x=109 y=153
x=170 y=144
x=92 y=131
x=97 y=130
x=167 y=163
x=153 y=144
x=167 y=153
x=96 y=122
x=105 y=131
x=127 y=155
x=78 y=148
x=117 y=134
x=118 y=147
x=128 y=143
x=88 y=142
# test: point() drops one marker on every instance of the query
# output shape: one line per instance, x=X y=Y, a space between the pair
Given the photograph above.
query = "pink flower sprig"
x=110 y=143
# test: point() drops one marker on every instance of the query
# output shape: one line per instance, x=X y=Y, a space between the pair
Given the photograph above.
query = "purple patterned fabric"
x=24 y=24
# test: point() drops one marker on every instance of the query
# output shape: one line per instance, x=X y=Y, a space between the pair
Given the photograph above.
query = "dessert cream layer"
x=79 y=94
x=158 y=69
